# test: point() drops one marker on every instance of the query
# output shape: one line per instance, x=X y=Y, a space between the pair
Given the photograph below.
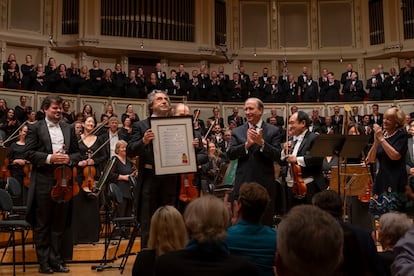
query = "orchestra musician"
x=17 y=162
x=44 y=145
x=85 y=210
x=122 y=170
x=310 y=166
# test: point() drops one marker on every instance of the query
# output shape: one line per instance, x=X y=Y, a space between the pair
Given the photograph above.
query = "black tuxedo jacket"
x=136 y=147
x=313 y=164
x=239 y=120
x=254 y=165
x=38 y=147
x=379 y=119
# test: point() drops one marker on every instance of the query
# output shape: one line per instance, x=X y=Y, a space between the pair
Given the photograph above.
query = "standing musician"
x=44 y=145
x=18 y=165
x=156 y=190
x=86 y=224
x=256 y=145
x=310 y=168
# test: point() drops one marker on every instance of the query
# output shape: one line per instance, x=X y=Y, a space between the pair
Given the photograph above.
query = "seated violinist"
x=122 y=170
x=18 y=165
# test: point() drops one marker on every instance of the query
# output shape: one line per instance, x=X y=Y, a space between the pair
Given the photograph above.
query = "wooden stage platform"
x=84 y=257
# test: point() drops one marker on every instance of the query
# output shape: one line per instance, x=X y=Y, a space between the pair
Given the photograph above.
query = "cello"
x=27 y=169
x=63 y=190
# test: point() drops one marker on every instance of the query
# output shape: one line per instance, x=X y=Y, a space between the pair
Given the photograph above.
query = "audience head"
x=167 y=230
x=392 y=226
x=309 y=242
x=253 y=200
x=120 y=147
x=207 y=219
x=329 y=201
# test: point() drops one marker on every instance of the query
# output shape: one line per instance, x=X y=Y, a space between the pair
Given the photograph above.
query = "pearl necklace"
x=386 y=135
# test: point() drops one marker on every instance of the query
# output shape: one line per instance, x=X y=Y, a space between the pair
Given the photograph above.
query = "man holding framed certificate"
x=155 y=190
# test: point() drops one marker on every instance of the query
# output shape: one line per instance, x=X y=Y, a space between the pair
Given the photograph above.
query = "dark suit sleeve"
x=33 y=143
x=136 y=147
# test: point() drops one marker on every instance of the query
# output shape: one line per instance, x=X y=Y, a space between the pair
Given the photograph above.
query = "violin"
x=299 y=188
x=4 y=171
x=27 y=172
x=63 y=190
x=188 y=191
x=89 y=172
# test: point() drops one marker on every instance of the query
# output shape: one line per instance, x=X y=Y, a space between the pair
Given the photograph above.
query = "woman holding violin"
x=86 y=224
x=18 y=166
x=122 y=171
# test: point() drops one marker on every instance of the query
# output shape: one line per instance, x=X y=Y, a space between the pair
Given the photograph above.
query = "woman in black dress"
x=389 y=148
x=122 y=170
x=86 y=224
x=17 y=163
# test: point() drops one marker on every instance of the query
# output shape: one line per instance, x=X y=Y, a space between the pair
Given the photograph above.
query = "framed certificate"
x=173 y=145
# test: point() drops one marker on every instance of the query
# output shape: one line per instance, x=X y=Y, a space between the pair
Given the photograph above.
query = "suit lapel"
x=66 y=134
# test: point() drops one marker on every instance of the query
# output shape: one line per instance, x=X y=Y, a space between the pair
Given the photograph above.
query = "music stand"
x=343 y=146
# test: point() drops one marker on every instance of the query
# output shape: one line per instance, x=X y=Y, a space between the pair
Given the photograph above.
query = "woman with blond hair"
x=206 y=219
x=389 y=150
x=167 y=233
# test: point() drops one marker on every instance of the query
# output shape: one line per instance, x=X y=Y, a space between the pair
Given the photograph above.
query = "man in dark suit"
x=256 y=146
x=50 y=144
x=409 y=157
x=280 y=121
x=376 y=117
x=156 y=190
x=216 y=118
x=311 y=167
x=235 y=117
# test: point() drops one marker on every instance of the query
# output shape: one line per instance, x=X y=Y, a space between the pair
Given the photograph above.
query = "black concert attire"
x=107 y=86
x=85 y=212
x=20 y=113
x=237 y=118
x=237 y=91
x=374 y=85
x=125 y=208
x=11 y=79
x=391 y=89
x=156 y=190
x=353 y=91
x=292 y=90
x=330 y=92
x=27 y=71
x=310 y=91
x=204 y=85
x=273 y=92
x=118 y=79
x=39 y=82
x=96 y=74
x=407 y=82
x=125 y=115
x=18 y=151
x=48 y=217
x=6 y=66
